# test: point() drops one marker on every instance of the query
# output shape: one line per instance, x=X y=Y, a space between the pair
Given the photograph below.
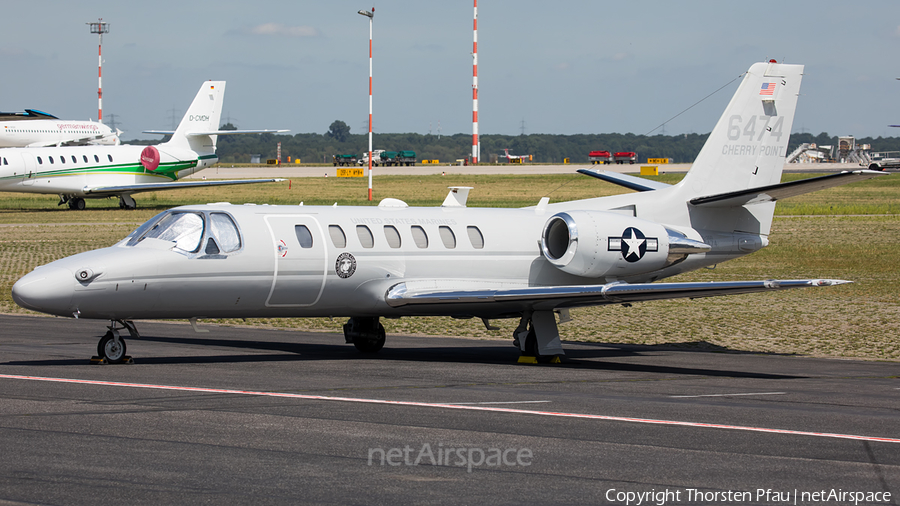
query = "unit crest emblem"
x=345 y=265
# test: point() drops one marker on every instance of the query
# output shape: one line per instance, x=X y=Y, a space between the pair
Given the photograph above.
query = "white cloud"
x=280 y=29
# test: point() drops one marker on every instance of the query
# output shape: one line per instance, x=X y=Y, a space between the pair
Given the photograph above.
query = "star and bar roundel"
x=633 y=244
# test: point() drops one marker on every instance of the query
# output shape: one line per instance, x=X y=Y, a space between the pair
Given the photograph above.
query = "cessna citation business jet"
x=363 y=263
x=35 y=128
x=78 y=173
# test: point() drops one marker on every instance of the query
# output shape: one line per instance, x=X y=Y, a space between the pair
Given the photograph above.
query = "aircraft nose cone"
x=46 y=289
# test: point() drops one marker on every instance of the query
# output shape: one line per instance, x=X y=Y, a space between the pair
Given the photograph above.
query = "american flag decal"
x=767 y=89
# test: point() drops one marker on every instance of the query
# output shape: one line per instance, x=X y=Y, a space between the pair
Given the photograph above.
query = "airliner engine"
x=597 y=243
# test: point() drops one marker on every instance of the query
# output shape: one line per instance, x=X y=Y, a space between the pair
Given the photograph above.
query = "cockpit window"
x=184 y=229
x=224 y=229
x=188 y=230
x=134 y=237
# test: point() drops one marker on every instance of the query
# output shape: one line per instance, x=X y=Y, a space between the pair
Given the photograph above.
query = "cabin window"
x=85 y=158
x=184 y=229
x=223 y=228
x=62 y=159
x=419 y=236
x=5 y=162
x=392 y=236
x=475 y=237
x=366 y=239
x=337 y=236
x=447 y=237
x=74 y=160
x=51 y=159
x=304 y=237
x=110 y=158
x=96 y=158
x=40 y=162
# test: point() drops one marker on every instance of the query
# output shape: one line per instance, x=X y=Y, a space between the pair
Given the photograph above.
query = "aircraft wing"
x=556 y=297
x=149 y=187
x=82 y=141
x=783 y=190
x=216 y=132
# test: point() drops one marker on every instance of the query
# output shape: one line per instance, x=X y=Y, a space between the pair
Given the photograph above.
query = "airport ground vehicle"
x=625 y=156
x=885 y=160
x=601 y=157
x=389 y=158
x=376 y=157
x=344 y=160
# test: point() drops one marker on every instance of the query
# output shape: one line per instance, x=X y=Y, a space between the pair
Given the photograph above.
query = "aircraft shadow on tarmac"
x=582 y=356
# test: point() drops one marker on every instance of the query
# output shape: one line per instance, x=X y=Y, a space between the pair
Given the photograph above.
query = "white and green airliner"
x=83 y=172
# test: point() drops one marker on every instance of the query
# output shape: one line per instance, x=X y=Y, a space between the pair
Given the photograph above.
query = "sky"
x=566 y=67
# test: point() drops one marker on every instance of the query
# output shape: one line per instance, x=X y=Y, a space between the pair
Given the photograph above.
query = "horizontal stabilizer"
x=554 y=297
x=149 y=187
x=631 y=182
x=784 y=190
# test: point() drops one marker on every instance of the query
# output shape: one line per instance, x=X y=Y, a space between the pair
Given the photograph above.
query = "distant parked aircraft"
x=35 y=128
x=79 y=173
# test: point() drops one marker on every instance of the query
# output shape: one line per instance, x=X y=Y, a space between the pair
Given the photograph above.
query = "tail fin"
x=748 y=146
x=202 y=116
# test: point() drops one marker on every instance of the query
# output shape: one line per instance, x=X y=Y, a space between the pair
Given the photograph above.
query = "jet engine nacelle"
x=152 y=158
x=596 y=243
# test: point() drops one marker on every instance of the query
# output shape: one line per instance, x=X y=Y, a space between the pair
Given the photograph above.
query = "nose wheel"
x=111 y=348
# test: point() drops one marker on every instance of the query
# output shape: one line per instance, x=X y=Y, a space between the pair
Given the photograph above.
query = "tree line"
x=545 y=148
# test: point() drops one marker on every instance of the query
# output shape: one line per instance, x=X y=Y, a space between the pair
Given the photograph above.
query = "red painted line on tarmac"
x=467 y=407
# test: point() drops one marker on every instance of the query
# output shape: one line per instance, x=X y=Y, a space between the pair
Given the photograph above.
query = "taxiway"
x=248 y=416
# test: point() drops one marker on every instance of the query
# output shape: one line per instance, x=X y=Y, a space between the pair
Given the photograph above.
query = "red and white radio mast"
x=99 y=28
x=476 y=147
x=371 y=16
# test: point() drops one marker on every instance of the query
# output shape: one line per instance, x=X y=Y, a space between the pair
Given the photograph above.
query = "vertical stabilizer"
x=202 y=116
x=748 y=146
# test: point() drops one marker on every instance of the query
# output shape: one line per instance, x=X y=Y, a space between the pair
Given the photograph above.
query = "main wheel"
x=369 y=345
x=78 y=204
x=111 y=350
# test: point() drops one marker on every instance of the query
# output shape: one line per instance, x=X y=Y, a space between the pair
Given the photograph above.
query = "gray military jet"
x=363 y=263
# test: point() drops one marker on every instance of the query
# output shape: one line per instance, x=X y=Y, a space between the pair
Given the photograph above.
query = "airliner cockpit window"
x=184 y=229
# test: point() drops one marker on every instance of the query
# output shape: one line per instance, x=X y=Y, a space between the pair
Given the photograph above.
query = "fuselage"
x=232 y=261
x=74 y=171
x=45 y=132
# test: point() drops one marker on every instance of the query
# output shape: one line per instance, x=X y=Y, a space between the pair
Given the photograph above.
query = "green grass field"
x=850 y=232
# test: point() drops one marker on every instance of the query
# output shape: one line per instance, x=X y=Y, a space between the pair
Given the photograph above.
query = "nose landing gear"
x=111 y=348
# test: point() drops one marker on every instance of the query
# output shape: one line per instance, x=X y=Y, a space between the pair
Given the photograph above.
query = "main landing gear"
x=537 y=338
x=75 y=203
x=111 y=348
x=127 y=202
x=366 y=333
